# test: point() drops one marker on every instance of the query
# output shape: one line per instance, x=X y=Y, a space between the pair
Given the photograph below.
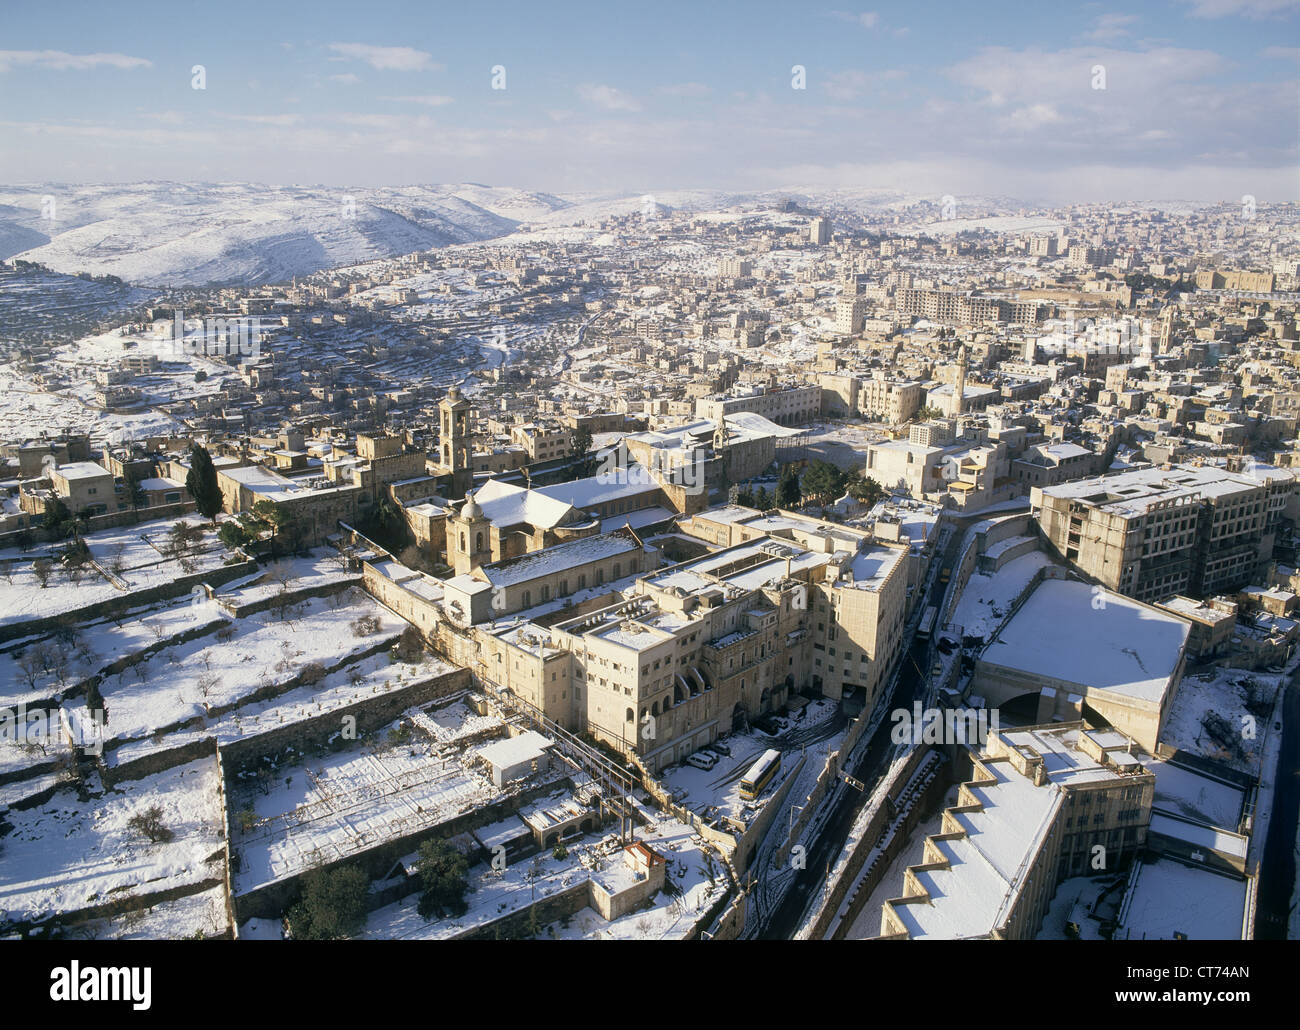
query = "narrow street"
x=1277 y=867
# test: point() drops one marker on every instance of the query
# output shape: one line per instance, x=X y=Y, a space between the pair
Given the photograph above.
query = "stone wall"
x=136 y=599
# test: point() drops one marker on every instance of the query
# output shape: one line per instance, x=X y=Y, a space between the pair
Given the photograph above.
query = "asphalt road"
x=913 y=682
x=1277 y=867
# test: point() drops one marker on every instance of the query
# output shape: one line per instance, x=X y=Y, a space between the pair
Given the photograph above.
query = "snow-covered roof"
x=553 y=560
x=82 y=470
x=505 y=504
x=1103 y=641
x=513 y=751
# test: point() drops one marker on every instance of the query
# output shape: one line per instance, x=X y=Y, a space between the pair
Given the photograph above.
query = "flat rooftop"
x=1116 y=644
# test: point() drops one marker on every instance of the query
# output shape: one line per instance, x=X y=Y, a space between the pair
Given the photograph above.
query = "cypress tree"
x=201 y=482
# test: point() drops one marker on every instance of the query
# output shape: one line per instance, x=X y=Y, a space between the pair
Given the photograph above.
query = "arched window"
x=478 y=541
x=463 y=542
x=631 y=715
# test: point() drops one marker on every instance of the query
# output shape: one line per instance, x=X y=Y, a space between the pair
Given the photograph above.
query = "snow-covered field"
x=1206 y=718
x=696 y=877
x=189 y=679
x=138 y=550
x=27 y=411
x=325 y=808
x=69 y=854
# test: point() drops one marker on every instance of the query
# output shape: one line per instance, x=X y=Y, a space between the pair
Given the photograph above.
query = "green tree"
x=822 y=481
x=580 y=451
x=235 y=534
x=57 y=519
x=201 y=482
x=442 y=871
x=762 y=499
x=788 y=493
x=135 y=493
x=864 y=488
x=332 y=905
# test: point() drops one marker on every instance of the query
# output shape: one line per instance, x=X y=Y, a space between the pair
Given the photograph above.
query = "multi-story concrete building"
x=1039 y=803
x=785 y=407
x=687 y=653
x=890 y=400
x=543 y=443
x=1157 y=532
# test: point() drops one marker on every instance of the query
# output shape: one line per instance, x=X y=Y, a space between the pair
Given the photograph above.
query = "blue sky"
x=1201 y=97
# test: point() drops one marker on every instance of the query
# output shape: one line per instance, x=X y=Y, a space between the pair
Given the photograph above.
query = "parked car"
x=701 y=761
x=721 y=748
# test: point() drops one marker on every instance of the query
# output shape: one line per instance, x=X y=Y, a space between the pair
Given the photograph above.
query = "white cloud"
x=427 y=101
x=608 y=98
x=1111 y=26
x=387 y=58
x=265 y=119
x=347 y=78
x=685 y=89
x=58 y=60
x=1241 y=8
x=867 y=19
x=853 y=84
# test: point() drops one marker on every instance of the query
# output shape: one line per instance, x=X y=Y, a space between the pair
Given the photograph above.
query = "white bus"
x=924 y=630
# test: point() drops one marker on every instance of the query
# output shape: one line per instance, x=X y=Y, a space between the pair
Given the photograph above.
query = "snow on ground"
x=138 y=551
x=696 y=876
x=69 y=854
x=325 y=808
x=716 y=792
x=1159 y=906
x=1206 y=717
x=986 y=600
x=189 y=917
x=27 y=411
x=188 y=679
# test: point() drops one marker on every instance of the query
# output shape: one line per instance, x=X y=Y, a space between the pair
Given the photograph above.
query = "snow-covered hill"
x=165 y=233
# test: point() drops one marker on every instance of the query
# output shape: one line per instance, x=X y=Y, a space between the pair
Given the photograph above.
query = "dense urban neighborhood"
x=814 y=566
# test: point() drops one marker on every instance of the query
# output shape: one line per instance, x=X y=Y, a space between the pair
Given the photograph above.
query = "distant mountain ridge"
x=173 y=234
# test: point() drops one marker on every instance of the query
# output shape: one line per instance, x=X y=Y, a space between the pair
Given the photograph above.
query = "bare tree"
x=41 y=568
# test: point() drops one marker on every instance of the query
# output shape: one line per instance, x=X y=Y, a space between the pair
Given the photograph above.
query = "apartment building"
x=1151 y=533
x=543 y=443
x=968 y=308
x=1039 y=803
x=786 y=407
x=890 y=400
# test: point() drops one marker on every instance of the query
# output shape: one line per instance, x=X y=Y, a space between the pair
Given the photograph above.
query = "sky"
x=1054 y=103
